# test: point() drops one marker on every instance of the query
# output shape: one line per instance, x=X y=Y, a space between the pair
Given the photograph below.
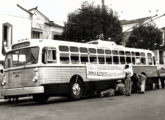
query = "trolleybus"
x=43 y=68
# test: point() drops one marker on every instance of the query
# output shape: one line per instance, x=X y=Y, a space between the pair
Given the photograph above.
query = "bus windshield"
x=22 y=57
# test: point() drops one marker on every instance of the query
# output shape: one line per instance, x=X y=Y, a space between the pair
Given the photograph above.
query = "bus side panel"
x=62 y=74
x=56 y=79
x=151 y=71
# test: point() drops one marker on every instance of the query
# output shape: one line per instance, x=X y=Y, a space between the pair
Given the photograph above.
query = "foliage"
x=88 y=22
x=146 y=37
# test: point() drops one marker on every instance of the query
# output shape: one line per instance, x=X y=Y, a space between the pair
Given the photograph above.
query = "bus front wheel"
x=76 y=89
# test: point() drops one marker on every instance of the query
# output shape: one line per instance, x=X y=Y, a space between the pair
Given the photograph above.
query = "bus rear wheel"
x=40 y=98
x=76 y=89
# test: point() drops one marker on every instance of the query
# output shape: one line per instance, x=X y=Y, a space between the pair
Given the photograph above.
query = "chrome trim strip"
x=22 y=91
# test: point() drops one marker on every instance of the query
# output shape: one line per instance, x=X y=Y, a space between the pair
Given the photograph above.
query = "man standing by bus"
x=141 y=77
x=128 y=75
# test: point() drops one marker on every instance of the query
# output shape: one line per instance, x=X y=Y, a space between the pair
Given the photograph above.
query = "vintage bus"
x=43 y=68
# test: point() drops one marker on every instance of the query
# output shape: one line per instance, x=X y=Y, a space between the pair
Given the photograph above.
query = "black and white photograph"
x=82 y=60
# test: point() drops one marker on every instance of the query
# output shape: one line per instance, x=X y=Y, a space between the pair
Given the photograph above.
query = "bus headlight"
x=35 y=78
x=3 y=83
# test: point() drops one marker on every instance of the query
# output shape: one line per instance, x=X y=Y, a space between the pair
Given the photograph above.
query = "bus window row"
x=101 y=51
x=94 y=59
x=77 y=58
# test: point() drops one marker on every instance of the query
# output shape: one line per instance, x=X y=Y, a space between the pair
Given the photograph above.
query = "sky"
x=57 y=10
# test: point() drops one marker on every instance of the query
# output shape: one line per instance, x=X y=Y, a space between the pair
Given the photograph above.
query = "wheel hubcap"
x=76 y=89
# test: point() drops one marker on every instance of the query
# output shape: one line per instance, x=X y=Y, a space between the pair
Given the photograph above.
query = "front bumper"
x=22 y=91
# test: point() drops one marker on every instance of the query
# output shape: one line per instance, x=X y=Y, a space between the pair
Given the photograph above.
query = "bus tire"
x=76 y=89
x=40 y=98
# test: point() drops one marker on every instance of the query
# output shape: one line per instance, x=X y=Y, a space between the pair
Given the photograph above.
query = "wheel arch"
x=76 y=76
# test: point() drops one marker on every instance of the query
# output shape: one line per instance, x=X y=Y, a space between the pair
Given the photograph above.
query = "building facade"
x=20 y=24
x=14 y=26
x=42 y=27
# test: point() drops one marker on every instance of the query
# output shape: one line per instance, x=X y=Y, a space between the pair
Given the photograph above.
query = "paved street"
x=148 y=106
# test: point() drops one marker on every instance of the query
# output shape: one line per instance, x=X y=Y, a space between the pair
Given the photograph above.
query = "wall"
x=20 y=22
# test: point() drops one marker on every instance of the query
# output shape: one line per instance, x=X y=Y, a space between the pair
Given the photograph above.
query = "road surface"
x=148 y=106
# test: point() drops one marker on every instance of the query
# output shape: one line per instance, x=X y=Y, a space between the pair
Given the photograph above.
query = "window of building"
x=36 y=34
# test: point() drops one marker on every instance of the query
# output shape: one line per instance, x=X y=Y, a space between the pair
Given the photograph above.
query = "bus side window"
x=149 y=58
x=115 y=59
x=154 y=60
x=74 y=59
x=108 y=59
x=138 y=60
x=128 y=60
x=44 y=55
x=101 y=59
x=150 y=61
x=143 y=61
x=84 y=59
x=8 y=63
x=93 y=59
x=51 y=56
x=122 y=60
x=133 y=60
x=64 y=58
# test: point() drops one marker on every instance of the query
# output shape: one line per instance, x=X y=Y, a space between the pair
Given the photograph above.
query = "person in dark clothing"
x=162 y=82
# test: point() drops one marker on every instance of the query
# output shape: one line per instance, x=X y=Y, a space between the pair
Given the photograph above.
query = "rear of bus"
x=21 y=71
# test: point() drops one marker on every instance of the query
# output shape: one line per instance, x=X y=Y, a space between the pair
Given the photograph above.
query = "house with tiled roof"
x=43 y=27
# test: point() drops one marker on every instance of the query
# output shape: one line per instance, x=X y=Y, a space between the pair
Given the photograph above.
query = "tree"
x=88 y=22
x=146 y=37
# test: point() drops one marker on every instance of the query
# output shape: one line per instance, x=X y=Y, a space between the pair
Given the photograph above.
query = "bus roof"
x=99 y=44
